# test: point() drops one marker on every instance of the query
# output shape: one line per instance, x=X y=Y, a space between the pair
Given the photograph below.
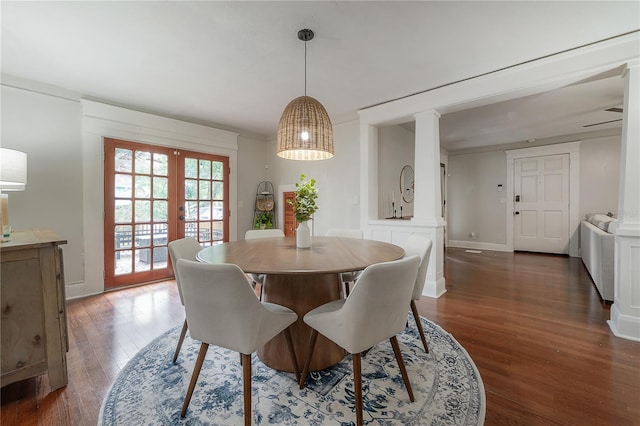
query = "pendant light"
x=305 y=131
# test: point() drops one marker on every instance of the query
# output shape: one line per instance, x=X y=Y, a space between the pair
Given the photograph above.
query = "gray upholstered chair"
x=375 y=310
x=253 y=234
x=222 y=310
x=347 y=277
x=419 y=245
x=184 y=248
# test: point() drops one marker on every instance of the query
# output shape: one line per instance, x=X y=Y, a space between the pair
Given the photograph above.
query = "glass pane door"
x=203 y=197
x=154 y=195
x=138 y=192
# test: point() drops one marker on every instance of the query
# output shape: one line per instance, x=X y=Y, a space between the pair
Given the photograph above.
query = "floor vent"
x=473 y=251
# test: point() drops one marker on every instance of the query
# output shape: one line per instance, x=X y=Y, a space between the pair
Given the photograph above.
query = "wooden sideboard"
x=34 y=324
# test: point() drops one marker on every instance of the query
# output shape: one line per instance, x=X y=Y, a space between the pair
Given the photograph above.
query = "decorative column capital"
x=634 y=63
x=427 y=113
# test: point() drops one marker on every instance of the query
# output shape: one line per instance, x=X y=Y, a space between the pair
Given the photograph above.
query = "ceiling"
x=236 y=65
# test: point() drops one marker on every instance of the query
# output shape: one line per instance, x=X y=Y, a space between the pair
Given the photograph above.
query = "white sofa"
x=597 y=246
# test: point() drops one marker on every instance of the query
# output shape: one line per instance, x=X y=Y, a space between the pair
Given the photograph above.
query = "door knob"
x=515 y=213
x=181 y=217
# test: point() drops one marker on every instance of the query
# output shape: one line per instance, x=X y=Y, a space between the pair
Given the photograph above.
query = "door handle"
x=181 y=217
x=515 y=213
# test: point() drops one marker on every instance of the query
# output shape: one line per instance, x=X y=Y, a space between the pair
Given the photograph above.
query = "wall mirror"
x=407 y=183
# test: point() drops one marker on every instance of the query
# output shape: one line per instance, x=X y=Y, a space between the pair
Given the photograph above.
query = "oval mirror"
x=407 y=183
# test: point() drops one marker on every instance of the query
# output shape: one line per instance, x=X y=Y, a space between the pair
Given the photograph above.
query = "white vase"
x=303 y=235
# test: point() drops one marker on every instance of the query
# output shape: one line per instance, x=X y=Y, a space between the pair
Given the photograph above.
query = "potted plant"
x=263 y=221
x=304 y=206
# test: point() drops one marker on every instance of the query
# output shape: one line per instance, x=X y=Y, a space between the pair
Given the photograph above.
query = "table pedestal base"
x=301 y=293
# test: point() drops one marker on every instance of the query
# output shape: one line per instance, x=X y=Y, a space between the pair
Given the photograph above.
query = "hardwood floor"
x=533 y=324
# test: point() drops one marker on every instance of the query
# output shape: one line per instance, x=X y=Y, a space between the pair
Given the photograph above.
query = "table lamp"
x=13 y=177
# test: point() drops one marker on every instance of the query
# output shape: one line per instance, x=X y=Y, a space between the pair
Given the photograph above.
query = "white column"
x=625 y=311
x=368 y=175
x=427 y=209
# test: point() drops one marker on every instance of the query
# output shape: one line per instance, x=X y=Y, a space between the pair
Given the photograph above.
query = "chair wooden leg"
x=246 y=379
x=262 y=284
x=180 y=340
x=292 y=353
x=357 y=386
x=312 y=345
x=366 y=351
x=194 y=377
x=403 y=370
x=416 y=316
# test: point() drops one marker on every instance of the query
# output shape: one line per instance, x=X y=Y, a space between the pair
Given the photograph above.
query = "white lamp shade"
x=13 y=170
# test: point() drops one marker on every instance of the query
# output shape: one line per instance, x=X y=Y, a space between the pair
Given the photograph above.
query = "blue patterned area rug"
x=448 y=388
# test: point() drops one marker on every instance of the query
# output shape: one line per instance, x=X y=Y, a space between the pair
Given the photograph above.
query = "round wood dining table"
x=301 y=279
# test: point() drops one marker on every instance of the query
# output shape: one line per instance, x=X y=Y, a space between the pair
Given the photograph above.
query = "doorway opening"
x=290 y=223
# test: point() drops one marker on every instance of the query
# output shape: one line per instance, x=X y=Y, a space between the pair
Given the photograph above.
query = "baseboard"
x=477 y=245
x=434 y=289
x=77 y=290
x=625 y=326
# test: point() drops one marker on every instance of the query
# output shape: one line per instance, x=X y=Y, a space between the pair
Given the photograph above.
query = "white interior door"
x=541 y=204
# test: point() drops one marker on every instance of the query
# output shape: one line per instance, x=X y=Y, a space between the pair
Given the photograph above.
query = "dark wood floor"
x=533 y=324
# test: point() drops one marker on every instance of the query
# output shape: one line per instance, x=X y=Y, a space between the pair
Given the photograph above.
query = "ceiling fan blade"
x=603 y=122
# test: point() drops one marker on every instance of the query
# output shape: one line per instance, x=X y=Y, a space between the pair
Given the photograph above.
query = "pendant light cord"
x=305 y=68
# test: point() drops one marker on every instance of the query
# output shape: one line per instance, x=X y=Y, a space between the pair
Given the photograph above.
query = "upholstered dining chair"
x=253 y=234
x=222 y=310
x=375 y=310
x=352 y=276
x=184 y=248
x=419 y=245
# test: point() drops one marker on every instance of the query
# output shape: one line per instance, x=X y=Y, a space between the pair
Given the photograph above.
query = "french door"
x=154 y=195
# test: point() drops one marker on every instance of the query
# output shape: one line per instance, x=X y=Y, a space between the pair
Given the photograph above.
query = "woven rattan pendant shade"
x=305 y=131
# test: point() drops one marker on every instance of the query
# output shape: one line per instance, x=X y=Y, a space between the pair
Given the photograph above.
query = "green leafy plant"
x=263 y=221
x=304 y=205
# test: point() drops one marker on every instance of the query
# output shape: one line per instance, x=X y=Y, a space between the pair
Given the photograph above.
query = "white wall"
x=599 y=175
x=251 y=171
x=473 y=202
x=47 y=128
x=337 y=179
x=396 y=148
